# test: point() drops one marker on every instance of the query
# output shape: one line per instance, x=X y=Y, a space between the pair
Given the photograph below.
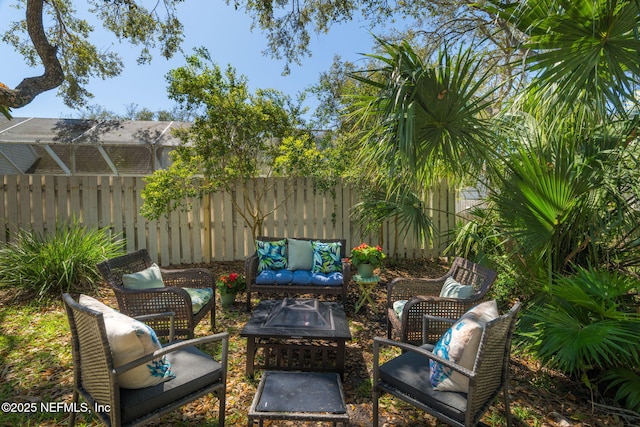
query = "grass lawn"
x=36 y=368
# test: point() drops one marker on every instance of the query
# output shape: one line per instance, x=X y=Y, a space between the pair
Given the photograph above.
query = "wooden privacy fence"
x=212 y=230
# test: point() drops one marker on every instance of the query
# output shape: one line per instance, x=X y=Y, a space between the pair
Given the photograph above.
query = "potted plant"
x=365 y=258
x=229 y=285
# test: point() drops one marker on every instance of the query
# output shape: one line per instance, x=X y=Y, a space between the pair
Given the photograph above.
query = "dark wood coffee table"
x=297 y=335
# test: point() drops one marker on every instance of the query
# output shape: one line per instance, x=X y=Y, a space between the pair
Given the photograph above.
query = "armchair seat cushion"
x=410 y=373
x=298 y=277
x=199 y=297
x=194 y=371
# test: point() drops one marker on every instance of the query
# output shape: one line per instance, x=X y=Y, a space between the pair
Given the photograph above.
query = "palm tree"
x=561 y=161
x=426 y=121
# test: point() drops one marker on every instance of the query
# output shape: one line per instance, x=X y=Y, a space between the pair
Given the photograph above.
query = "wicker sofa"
x=291 y=279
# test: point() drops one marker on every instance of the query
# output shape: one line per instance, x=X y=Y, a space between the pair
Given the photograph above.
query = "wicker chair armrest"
x=381 y=342
x=427 y=325
x=394 y=319
x=223 y=337
x=434 y=306
x=251 y=269
x=163 y=297
x=152 y=316
x=172 y=320
x=188 y=278
x=446 y=309
x=346 y=272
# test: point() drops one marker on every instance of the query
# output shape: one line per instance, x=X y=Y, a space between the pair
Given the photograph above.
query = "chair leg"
x=72 y=416
x=507 y=409
x=221 y=403
x=213 y=319
x=376 y=395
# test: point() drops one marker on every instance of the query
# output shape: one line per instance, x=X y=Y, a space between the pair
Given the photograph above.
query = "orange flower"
x=232 y=282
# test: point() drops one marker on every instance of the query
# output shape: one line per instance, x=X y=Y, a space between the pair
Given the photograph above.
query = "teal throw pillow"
x=148 y=278
x=453 y=289
x=272 y=255
x=299 y=255
x=326 y=257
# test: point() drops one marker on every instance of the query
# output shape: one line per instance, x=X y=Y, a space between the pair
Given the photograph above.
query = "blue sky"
x=210 y=23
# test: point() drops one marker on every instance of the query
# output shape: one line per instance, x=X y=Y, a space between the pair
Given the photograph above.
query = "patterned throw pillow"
x=130 y=339
x=326 y=257
x=272 y=255
x=460 y=345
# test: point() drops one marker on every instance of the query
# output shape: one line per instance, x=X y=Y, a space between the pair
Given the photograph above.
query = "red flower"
x=233 y=276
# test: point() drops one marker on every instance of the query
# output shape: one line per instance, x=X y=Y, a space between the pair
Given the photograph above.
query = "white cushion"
x=460 y=345
x=300 y=255
x=453 y=289
x=146 y=279
x=131 y=339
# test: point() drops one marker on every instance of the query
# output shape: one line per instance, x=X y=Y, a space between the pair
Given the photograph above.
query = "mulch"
x=539 y=397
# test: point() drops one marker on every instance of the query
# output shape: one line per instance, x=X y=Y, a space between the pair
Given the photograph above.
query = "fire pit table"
x=296 y=335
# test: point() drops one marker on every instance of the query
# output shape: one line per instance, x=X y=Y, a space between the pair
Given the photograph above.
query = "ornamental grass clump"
x=365 y=254
x=61 y=261
x=231 y=283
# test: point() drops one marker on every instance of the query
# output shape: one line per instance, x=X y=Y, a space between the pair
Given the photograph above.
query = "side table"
x=299 y=396
x=366 y=286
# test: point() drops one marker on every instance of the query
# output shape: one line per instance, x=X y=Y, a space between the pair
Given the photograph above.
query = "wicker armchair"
x=407 y=376
x=170 y=298
x=422 y=296
x=96 y=377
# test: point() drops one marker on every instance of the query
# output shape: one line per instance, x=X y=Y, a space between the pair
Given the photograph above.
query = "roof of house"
x=85 y=147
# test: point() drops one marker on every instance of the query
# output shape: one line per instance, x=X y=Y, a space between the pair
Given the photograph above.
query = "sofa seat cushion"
x=194 y=371
x=331 y=279
x=298 y=277
x=410 y=373
x=269 y=277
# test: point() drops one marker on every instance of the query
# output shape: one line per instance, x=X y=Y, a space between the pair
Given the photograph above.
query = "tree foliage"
x=236 y=135
x=53 y=36
x=559 y=160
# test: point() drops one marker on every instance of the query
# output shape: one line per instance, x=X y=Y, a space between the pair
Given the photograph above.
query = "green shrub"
x=63 y=261
x=586 y=327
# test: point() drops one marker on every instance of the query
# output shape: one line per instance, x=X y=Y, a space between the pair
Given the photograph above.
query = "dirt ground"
x=539 y=397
